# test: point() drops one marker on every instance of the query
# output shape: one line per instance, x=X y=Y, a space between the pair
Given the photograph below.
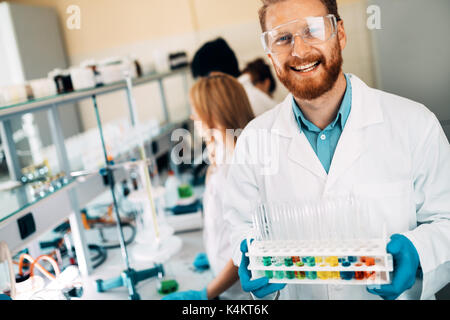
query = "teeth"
x=306 y=66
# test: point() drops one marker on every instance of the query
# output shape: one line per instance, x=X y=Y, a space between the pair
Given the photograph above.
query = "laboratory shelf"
x=21 y=198
x=52 y=208
x=64 y=98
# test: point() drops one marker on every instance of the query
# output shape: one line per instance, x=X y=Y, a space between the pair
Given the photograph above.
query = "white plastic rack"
x=319 y=241
x=321 y=272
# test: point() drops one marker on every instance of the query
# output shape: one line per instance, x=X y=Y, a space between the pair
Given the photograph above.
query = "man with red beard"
x=334 y=136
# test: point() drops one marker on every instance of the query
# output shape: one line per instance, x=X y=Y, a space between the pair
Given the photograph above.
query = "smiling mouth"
x=306 y=67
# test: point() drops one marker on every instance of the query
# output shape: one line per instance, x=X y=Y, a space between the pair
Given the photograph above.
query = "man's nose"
x=300 y=48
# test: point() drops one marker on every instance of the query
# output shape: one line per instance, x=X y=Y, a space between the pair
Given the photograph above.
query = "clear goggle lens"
x=313 y=30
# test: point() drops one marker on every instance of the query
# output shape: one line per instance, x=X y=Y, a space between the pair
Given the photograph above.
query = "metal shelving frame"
x=79 y=193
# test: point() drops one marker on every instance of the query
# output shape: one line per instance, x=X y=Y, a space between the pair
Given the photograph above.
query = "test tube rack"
x=356 y=262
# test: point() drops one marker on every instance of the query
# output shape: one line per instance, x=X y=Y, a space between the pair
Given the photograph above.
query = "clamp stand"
x=129 y=277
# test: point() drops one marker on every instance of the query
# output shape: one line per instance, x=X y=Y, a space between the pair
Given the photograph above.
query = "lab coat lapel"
x=299 y=150
x=365 y=111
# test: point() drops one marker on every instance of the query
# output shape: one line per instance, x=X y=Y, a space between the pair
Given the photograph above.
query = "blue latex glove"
x=259 y=287
x=201 y=261
x=406 y=263
x=187 y=295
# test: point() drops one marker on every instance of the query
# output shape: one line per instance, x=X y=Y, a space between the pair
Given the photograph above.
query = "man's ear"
x=271 y=59
x=342 y=36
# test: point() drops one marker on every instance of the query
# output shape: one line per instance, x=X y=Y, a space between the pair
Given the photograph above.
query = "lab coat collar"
x=366 y=110
x=245 y=79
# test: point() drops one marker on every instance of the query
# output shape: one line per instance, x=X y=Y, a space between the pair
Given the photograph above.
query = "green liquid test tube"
x=279 y=274
x=269 y=274
x=290 y=274
x=267 y=261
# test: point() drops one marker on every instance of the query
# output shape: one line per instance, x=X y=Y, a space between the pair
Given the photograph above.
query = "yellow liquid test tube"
x=332 y=261
x=335 y=274
x=324 y=275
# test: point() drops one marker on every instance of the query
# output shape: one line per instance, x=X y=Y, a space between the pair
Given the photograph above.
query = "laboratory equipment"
x=82 y=78
x=154 y=243
x=330 y=240
x=167 y=286
x=171 y=190
x=62 y=80
x=43 y=87
x=178 y=60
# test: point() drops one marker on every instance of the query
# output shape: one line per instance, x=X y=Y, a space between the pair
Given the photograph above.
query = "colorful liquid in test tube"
x=370 y=261
x=279 y=274
x=324 y=275
x=311 y=262
x=268 y=274
x=300 y=274
x=334 y=262
x=289 y=263
x=346 y=275
x=352 y=259
x=267 y=261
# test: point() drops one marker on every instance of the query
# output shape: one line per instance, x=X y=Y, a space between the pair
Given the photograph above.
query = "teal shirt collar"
x=344 y=111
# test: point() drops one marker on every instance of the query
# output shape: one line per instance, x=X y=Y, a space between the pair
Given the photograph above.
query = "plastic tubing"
x=39 y=266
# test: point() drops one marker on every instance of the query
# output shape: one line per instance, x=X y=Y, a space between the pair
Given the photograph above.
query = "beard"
x=310 y=88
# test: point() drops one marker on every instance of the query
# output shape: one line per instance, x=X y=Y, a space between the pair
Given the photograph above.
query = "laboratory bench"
x=179 y=268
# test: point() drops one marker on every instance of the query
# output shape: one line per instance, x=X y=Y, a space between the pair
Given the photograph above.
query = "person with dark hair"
x=217 y=56
x=260 y=85
x=261 y=76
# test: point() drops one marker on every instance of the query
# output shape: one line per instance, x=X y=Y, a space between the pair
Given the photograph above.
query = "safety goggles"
x=313 y=31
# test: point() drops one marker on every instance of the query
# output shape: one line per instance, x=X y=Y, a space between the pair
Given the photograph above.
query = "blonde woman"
x=221 y=109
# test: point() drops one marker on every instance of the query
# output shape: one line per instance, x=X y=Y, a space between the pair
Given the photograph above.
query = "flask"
x=171 y=190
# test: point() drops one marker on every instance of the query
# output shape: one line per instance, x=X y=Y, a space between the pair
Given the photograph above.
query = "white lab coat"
x=392 y=151
x=216 y=231
x=259 y=101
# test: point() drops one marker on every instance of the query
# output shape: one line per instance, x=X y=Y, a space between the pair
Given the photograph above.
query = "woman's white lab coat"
x=216 y=232
x=259 y=101
x=392 y=152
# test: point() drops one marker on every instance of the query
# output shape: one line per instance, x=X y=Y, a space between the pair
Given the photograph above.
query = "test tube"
x=347 y=275
x=289 y=263
x=279 y=274
x=370 y=261
x=299 y=274
x=324 y=275
x=352 y=259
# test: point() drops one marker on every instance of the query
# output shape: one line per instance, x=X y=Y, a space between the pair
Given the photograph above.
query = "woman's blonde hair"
x=221 y=102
